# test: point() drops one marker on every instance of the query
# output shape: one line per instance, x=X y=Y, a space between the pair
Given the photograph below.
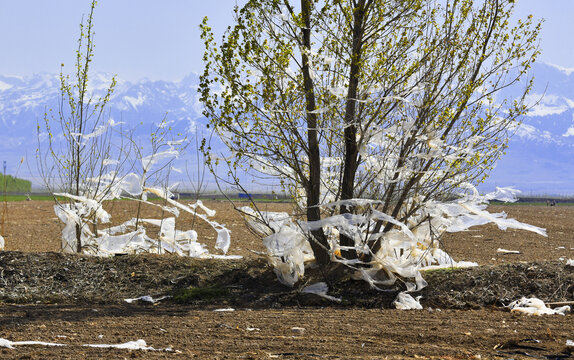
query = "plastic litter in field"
x=504 y=251
x=535 y=306
x=11 y=344
x=570 y=262
x=454 y=265
x=405 y=301
x=320 y=289
x=130 y=345
x=146 y=298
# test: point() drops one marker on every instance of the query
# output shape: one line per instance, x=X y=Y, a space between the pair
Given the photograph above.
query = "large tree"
x=381 y=99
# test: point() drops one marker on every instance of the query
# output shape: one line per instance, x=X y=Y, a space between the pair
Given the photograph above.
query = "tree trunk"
x=350 y=132
x=320 y=244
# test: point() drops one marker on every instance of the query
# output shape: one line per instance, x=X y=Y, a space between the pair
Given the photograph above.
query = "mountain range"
x=538 y=160
x=141 y=106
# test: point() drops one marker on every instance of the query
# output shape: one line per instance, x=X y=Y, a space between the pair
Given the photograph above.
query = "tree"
x=89 y=149
x=88 y=162
x=393 y=101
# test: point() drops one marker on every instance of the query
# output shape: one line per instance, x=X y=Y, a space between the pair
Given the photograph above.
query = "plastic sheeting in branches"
x=405 y=250
x=287 y=246
x=82 y=212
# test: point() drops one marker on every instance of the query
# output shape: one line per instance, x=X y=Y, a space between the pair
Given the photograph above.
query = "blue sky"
x=134 y=38
x=160 y=39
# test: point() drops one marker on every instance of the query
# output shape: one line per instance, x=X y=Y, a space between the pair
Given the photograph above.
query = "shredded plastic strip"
x=12 y=344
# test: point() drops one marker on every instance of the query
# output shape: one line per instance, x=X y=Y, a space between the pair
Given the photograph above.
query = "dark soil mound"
x=77 y=279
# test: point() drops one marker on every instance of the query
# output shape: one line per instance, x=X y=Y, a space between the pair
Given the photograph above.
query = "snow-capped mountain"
x=540 y=157
x=23 y=101
x=141 y=106
x=538 y=161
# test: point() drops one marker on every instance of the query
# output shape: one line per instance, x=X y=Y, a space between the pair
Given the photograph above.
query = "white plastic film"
x=320 y=289
x=405 y=250
x=405 y=301
x=535 y=306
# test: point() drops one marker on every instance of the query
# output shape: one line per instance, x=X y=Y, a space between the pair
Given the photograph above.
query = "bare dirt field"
x=75 y=300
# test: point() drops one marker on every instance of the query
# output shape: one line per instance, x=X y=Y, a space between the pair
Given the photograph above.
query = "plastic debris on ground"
x=320 y=289
x=535 y=306
x=2 y=243
x=224 y=310
x=11 y=344
x=504 y=251
x=130 y=345
x=569 y=343
x=454 y=265
x=405 y=301
x=570 y=262
x=146 y=298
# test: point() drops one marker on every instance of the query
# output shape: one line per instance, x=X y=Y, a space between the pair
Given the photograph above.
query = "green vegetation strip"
x=25 y=197
x=8 y=183
x=194 y=294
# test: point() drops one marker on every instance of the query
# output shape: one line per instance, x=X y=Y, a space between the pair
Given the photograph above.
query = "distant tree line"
x=8 y=183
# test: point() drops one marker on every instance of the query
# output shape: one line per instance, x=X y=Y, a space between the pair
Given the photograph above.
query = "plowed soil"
x=76 y=300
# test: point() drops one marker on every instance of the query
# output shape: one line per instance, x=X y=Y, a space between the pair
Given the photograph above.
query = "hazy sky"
x=160 y=39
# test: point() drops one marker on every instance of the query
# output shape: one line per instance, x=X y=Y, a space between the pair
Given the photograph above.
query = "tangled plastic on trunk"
x=406 y=249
